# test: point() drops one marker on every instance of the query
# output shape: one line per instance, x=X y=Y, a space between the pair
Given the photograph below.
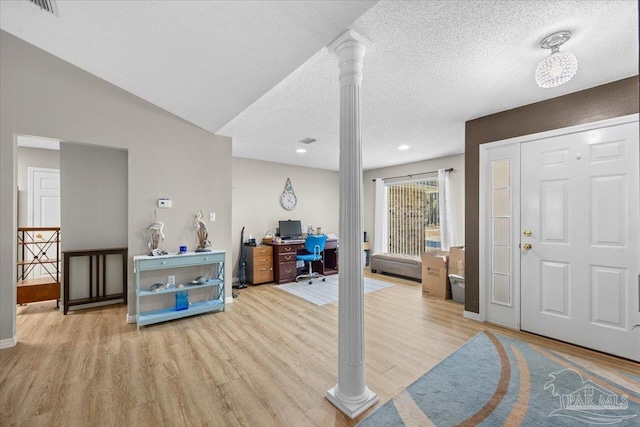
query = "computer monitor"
x=290 y=230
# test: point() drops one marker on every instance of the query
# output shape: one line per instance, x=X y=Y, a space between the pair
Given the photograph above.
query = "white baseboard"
x=228 y=300
x=472 y=316
x=8 y=342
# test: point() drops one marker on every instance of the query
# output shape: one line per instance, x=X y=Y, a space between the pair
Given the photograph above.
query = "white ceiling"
x=238 y=68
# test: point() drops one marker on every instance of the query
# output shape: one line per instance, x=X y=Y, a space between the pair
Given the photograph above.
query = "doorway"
x=38 y=232
x=561 y=238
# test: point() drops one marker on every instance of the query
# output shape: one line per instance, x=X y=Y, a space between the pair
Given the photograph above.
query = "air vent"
x=307 y=140
x=48 y=5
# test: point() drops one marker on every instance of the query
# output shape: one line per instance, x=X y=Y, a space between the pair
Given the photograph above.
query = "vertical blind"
x=413 y=216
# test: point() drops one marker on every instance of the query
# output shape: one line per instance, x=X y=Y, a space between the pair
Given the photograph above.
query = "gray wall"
x=168 y=157
x=257 y=187
x=457 y=190
x=93 y=197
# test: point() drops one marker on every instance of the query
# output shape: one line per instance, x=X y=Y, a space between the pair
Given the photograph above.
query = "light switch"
x=212 y=216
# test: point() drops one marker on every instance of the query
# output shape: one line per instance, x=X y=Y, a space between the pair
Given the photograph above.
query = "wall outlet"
x=172 y=280
x=212 y=216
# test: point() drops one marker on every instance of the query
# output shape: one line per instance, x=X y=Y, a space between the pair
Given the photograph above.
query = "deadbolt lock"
x=527 y=246
x=527 y=233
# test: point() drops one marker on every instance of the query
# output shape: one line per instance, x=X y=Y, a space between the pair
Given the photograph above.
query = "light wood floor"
x=267 y=361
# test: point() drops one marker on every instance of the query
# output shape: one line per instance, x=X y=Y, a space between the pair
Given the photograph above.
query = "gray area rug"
x=494 y=380
x=321 y=293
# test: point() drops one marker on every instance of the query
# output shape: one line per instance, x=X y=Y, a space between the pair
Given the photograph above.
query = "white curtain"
x=381 y=237
x=446 y=213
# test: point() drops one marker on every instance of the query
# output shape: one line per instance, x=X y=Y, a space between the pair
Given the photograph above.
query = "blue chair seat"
x=308 y=257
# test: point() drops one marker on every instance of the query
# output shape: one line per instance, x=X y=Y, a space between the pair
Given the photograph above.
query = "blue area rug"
x=494 y=380
x=321 y=293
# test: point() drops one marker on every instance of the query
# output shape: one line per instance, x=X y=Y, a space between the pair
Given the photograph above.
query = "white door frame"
x=485 y=202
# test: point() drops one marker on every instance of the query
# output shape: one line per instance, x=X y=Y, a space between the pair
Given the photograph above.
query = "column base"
x=352 y=409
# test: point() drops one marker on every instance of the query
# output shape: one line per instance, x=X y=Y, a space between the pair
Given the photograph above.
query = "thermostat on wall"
x=164 y=203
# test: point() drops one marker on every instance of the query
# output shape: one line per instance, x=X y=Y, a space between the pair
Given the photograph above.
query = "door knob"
x=527 y=233
x=527 y=246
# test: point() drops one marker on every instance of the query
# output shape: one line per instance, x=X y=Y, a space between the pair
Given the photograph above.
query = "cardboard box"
x=456 y=260
x=435 y=279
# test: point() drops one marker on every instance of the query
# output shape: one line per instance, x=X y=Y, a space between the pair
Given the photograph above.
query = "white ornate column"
x=351 y=394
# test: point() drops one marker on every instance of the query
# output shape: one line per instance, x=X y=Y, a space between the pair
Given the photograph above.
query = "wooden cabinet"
x=284 y=260
x=330 y=265
x=38 y=268
x=213 y=286
x=259 y=264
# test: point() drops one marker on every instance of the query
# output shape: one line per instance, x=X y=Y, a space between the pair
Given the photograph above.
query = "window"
x=414 y=219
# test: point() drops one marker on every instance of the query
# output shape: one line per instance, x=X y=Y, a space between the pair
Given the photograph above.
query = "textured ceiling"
x=238 y=68
x=435 y=65
x=204 y=61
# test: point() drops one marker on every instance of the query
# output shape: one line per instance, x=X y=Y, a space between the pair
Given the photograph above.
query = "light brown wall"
x=457 y=189
x=615 y=99
x=257 y=187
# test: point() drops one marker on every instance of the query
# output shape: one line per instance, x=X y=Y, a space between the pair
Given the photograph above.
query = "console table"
x=215 y=284
x=284 y=260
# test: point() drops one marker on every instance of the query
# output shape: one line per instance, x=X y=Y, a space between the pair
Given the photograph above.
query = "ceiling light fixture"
x=301 y=150
x=559 y=67
x=403 y=147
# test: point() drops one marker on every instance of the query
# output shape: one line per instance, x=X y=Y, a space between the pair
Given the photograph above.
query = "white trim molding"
x=472 y=316
x=8 y=342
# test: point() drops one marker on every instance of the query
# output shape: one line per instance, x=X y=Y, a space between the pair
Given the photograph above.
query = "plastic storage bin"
x=457 y=288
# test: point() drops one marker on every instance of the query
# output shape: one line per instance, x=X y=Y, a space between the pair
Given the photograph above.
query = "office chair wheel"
x=311 y=282
x=324 y=279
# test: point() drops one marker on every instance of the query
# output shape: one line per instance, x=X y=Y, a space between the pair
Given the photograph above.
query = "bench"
x=402 y=265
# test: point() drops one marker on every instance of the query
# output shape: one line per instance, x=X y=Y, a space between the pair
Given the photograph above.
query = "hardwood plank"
x=267 y=360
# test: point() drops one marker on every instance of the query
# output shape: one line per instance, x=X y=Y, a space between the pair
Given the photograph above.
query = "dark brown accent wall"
x=615 y=99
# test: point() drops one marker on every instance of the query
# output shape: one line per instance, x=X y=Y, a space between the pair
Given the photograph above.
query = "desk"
x=284 y=260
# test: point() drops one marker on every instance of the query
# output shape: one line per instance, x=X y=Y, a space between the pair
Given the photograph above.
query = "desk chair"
x=314 y=245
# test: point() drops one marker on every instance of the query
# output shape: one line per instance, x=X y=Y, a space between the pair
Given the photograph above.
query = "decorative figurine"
x=202 y=233
x=155 y=235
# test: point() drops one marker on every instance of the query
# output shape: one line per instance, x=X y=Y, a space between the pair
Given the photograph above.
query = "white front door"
x=581 y=274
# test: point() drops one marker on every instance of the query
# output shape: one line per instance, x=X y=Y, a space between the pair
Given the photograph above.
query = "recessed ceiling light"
x=403 y=147
x=301 y=150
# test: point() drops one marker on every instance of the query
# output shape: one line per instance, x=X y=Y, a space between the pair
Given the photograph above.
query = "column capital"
x=350 y=48
x=350 y=36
